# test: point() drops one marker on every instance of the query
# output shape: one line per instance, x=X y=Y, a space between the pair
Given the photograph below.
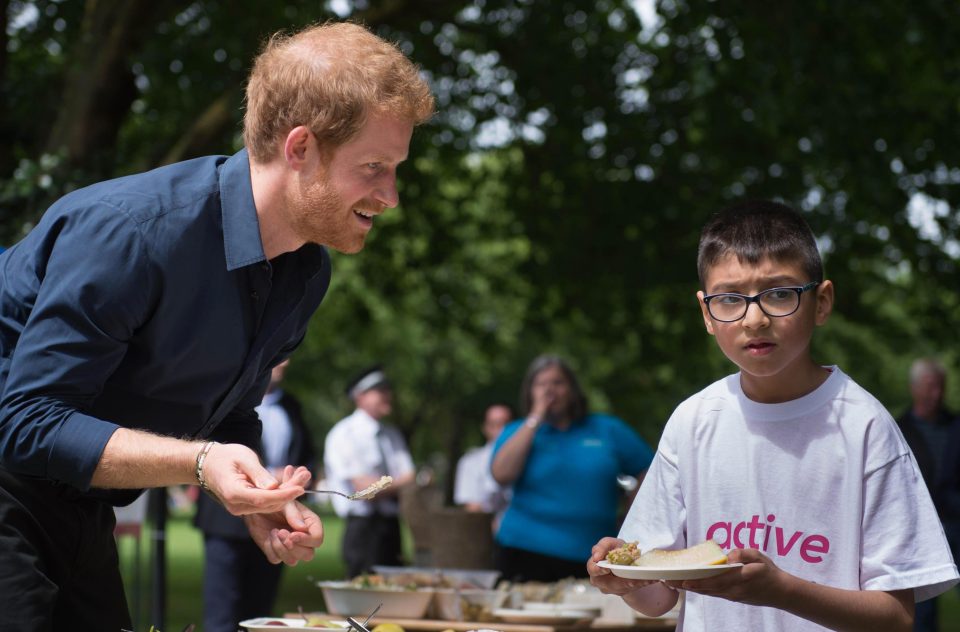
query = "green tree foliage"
x=554 y=203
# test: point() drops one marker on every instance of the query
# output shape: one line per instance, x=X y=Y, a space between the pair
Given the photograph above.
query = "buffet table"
x=658 y=624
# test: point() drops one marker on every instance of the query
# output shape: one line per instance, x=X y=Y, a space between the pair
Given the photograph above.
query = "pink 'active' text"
x=728 y=535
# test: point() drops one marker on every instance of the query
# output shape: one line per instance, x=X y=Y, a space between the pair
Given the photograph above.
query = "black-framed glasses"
x=728 y=307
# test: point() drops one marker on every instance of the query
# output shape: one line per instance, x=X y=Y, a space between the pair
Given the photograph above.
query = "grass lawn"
x=949 y=611
x=185 y=577
x=185 y=574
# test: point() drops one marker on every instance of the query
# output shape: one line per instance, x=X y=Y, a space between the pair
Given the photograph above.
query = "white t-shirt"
x=824 y=485
x=475 y=484
x=359 y=445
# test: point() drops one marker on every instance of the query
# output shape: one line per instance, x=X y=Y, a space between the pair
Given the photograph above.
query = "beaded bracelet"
x=201 y=457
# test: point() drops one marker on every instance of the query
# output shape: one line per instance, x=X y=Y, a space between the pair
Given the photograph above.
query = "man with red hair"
x=141 y=318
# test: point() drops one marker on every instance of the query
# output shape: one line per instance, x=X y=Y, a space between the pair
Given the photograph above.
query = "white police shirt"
x=359 y=445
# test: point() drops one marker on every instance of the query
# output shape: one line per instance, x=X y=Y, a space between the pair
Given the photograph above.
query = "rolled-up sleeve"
x=85 y=278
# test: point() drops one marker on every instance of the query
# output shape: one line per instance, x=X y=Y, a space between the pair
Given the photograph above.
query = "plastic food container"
x=465 y=605
x=346 y=600
x=479 y=578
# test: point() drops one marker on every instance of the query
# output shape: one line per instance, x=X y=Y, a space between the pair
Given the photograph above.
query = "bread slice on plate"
x=706 y=553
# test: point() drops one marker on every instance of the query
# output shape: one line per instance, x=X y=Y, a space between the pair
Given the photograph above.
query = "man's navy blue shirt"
x=145 y=302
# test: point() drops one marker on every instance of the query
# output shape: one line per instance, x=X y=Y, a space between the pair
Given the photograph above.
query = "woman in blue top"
x=563 y=464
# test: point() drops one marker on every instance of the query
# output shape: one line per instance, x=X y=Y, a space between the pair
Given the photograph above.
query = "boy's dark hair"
x=755 y=230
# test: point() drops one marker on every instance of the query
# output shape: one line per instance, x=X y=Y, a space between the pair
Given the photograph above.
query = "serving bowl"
x=461 y=577
x=346 y=600
x=450 y=604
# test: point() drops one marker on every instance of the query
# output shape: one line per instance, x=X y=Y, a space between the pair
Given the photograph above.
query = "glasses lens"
x=780 y=302
x=727 y=307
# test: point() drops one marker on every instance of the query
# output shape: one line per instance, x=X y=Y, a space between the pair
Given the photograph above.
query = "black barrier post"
x=158 y=515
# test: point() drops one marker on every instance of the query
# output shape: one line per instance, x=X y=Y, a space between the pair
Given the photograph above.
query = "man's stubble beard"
x=320 y=217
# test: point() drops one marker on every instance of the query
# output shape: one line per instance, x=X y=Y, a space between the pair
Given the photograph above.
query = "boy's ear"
x=707 y=321
x=824 y=301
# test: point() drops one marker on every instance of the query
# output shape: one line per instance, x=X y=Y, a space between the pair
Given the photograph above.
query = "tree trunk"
x=209 y=126
x=99 y=86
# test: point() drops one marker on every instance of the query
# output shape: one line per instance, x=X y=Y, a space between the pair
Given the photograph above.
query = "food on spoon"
x=372 y=490
x=624 y=555
x=706 y=553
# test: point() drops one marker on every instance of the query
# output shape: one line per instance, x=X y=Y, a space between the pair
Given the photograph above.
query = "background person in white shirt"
x=474 y=486
x=239 y=582
x=358 y=450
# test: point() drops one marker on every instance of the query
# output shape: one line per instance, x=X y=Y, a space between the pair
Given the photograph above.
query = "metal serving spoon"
x=364 y=494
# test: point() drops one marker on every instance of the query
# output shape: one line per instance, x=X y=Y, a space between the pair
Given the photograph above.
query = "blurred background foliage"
x=554 y=203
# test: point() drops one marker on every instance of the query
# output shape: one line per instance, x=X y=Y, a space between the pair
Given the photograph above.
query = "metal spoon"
x=364 y=494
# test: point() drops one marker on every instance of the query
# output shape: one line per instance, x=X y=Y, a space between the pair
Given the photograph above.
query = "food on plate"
x=372 y=490
x=706 y=553
x=320 y=622
x=624 y=555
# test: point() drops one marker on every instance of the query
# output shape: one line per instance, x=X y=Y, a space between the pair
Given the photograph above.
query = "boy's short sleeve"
x=903 y=543
x=658 y=517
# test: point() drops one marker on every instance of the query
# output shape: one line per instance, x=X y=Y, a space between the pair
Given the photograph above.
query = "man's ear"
x=825 y=295
x=300 y=148
x=707 y=321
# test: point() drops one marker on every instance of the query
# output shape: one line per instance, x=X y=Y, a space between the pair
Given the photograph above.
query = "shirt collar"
x=271 y=398
x=363 y=419
x=241 y=229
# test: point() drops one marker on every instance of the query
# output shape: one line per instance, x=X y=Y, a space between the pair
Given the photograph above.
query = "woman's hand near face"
x=543 y=399
x=550 y=394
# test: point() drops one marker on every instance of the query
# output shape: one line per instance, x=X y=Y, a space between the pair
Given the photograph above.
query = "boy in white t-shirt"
x=795 y=469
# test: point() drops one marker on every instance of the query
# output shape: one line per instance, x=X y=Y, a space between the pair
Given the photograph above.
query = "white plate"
x=260 y=625
x=660 y=572
x=559 y=617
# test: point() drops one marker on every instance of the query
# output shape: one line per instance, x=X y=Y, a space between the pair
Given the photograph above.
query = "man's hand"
x=291 y=534
x=235 y=476
x=287 y=536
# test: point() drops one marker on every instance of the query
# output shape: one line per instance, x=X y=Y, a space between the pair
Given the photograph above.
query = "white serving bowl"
x=475 y=577
x=465 y=605
x=346 y=600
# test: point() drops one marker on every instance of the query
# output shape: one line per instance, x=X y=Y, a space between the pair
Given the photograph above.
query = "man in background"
x=238 y=581
x=474 y=486
x=358 y=450
x=933 y=434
